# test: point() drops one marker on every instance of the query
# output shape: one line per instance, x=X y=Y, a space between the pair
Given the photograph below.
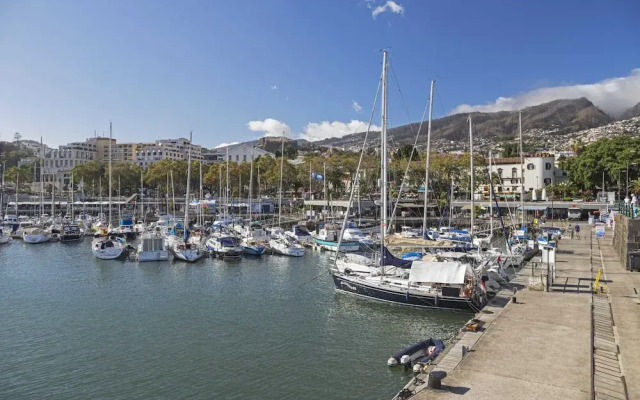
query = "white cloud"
x=356 y=107
x=221 y=145
x=370 y=3
x=388 y=6
x=313 y=131
x=270 y=127
x=322 y=130
x=613 y=95
x=274 y=87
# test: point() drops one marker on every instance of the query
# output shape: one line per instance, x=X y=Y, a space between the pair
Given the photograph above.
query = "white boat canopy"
x=451 y=273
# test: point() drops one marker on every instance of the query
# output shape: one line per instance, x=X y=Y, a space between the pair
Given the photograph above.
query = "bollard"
x=465 y=350
x=513 y=300
x=435 y=379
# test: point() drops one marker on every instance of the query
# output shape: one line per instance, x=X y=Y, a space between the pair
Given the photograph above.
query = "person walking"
x=577 y=229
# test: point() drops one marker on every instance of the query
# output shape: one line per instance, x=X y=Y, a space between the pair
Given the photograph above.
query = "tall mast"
x=383 y=152
x=472 y=171
x=490 y=198
x=41 y=180
x=141 y=196
x=100 y=189
x=226 y=195
x=173 y=193
x=71 y=195
x=219 y=189
x=521 y=171
x=110 y=134
x=426 y=169
x=119 y=199
x=186 y=196
x=250 y=186
x=167 y=193
x=324 y=180
x=280 y=190
x=200 y=197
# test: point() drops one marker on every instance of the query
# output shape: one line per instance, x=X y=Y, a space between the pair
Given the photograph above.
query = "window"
x=500 y=172
x=237 y=157
x=514 y=173
x=547 y=181
x=531 y=166
x=244 y=157
x=547 y=166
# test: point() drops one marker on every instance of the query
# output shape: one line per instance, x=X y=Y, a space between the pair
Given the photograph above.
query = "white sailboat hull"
x=36 y=238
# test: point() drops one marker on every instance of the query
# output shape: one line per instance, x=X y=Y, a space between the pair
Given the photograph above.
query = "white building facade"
x=244 y=153
x=539 y=171
x=168 y=149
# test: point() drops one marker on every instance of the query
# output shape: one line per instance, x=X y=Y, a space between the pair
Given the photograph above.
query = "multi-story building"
x=168 y=149
x=59 y=162
x=243 y=152
x=539 y=171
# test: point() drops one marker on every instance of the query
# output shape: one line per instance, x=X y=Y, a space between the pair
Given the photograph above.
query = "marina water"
x=74 y=327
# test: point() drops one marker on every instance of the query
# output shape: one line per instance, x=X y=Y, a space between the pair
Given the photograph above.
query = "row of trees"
x=616 y=160
x=611 y=156
x=340 y=169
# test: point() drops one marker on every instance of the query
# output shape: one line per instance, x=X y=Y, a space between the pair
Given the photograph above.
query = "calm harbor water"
x=73 y=327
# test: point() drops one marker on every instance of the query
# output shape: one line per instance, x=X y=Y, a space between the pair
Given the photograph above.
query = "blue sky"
x=160 y=68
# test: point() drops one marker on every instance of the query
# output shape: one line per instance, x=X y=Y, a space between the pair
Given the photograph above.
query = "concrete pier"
x=565 y=343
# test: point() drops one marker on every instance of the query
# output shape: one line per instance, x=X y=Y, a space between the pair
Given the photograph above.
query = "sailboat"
x=280 y=242
x=181 y=248
x=112 y=246
x=39 y=234
x=433 y=284
x=250 y=243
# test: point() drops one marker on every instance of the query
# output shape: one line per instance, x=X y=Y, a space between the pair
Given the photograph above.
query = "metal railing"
x=627 y=209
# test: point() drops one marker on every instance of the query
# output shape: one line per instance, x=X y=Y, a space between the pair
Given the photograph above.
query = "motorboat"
x=300 y=234
x=356 y=235
x=5 y=237
x=11 y=222
x=139 y=227
x=56 y=233
x=36 y=235
x=286 y=246
x=109 y=248
x=454 y=235
x=409 y=232
x=152 y=247
x=328 y=236
x=71 y=233
x=126 y=226
x=224 y=245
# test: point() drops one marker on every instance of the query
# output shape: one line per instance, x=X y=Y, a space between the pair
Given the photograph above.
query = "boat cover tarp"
x=389 y=259
x=299 y=231
x=450 y=272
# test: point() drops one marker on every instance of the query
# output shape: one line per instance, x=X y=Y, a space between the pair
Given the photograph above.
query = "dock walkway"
x=565 y=343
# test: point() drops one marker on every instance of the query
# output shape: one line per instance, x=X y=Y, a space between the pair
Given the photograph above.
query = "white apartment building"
x=171 y=149
x=59 y=162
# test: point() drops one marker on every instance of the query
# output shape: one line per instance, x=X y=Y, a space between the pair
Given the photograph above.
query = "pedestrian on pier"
x=577 y=229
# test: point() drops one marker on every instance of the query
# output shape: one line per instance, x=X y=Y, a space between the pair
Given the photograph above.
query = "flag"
x=317 y=177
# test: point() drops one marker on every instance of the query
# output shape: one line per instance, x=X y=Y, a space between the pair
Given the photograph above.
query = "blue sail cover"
x=299 y=231
x=389 y=259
